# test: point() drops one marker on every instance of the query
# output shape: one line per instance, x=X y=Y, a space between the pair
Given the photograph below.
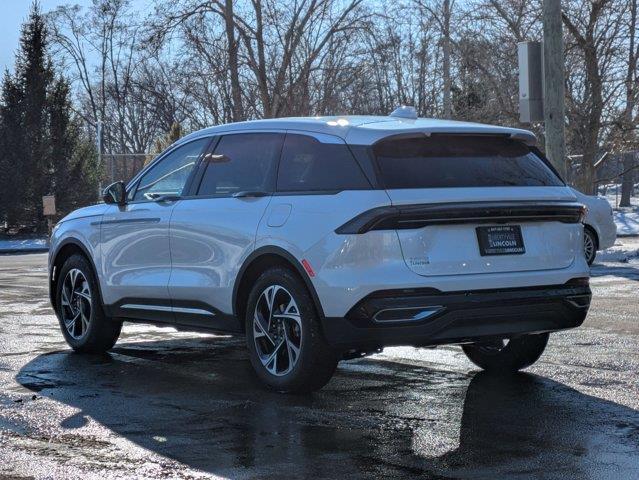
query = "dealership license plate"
x=500 y=240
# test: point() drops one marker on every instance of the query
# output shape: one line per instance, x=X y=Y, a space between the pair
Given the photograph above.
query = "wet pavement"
x=166 y=404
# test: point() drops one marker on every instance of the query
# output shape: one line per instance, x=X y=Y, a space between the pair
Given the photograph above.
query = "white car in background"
x=600 y=231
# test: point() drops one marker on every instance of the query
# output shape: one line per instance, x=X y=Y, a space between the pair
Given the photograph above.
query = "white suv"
x=328 y=238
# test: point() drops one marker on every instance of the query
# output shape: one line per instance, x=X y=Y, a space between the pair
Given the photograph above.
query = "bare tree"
x=594 y=33
x=106 y=84
x=628 y=123
x=194 y=63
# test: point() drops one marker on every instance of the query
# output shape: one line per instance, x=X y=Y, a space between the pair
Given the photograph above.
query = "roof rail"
x=404 y=111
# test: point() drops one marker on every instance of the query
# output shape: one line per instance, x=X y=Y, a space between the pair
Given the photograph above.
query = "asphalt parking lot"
x=165 y=404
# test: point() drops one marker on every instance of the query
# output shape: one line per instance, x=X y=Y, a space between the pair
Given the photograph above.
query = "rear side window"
x=444 y=161
x=308 y=165
x=242 y=162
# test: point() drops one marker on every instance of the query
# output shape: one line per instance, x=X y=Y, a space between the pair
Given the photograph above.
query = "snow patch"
x=627 y=221
x=23 y=244
x=622 y=252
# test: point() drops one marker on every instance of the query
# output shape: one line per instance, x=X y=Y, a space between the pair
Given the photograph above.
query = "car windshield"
x=443 y=161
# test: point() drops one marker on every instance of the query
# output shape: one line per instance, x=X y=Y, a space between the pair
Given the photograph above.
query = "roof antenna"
x=405 y=111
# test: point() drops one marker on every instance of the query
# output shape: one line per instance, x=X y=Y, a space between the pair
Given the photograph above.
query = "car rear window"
x=308 y=165
x=443 y=161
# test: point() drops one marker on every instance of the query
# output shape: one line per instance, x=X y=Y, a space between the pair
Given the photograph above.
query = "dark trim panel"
x=457 y=317
x=185 y=314
x=422 y=215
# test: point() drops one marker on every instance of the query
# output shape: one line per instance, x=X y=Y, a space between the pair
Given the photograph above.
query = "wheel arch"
x=256 y=263
x=64 y=250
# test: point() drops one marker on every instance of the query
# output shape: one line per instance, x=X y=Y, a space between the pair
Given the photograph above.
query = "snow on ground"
x=627 y=221
x=626 y=218
x=621 y=251
x=23 y=244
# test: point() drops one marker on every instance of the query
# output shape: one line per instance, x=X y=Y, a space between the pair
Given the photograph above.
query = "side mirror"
x=115 y=193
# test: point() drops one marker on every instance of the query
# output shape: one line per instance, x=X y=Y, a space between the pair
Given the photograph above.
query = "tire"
x=294 y=324
x=78 y=297
x=590 y=245
x=507 y=356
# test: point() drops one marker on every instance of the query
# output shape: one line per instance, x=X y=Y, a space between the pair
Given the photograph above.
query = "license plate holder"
x=500 y=240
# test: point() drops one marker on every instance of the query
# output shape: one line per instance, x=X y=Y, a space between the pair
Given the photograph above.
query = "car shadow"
x=196 y=401
x=615 y=270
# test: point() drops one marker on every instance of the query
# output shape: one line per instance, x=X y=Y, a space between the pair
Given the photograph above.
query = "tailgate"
x=439 y=229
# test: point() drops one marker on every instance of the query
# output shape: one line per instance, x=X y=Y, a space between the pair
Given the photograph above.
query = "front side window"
x=309 y=165
x=443 y=161
x=169 y=175
x=242 y=162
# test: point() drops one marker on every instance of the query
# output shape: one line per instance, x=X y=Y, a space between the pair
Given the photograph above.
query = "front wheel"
x=84 y=325
x=286 y=346
x=507 y=355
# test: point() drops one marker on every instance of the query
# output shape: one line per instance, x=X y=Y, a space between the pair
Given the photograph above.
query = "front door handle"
x=166 y=198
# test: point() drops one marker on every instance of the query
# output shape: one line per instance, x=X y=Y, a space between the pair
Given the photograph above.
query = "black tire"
x=102 y=332
x=590 y=237
x=517 y=354
x=316 y=362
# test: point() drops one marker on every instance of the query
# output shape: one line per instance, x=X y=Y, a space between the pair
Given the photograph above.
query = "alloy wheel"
x=589 y=246
x=277 y=330
x=76 y=303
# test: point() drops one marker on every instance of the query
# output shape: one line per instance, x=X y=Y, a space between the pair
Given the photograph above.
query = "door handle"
x=250 y=193
x=166 y=198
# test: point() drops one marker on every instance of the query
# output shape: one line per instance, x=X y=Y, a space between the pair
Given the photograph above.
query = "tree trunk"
x=627 y=181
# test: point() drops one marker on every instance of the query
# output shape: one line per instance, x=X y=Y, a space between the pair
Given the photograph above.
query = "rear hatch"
x=468 y=204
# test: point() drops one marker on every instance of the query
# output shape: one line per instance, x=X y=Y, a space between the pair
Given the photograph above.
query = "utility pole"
x=98 y=144
x=554 y=95
x=448 y=111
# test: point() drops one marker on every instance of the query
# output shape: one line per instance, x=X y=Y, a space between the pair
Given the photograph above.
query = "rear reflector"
x=308 y=268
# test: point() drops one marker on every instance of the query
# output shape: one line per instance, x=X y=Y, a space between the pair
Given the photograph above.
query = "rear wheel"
x=286 y=346
x=84 y=325
x=590 y=245
x=507 y=355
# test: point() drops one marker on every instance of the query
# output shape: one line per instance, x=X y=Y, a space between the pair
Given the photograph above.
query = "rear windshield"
x=443 y=161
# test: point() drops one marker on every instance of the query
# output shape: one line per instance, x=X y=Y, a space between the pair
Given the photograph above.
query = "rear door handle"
x=250 y=193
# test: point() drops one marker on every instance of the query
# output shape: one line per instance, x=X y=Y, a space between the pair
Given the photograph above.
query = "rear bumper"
x=425 y=317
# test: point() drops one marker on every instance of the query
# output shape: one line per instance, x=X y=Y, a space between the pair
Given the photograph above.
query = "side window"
x=242 y=162
x=308 y=165
x=169 y=176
